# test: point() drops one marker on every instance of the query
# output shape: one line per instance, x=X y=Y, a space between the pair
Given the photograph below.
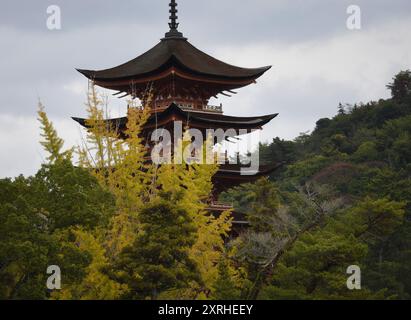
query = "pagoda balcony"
x=239 y=219
x=220 y=206
x=211 y=108
x=206 y=108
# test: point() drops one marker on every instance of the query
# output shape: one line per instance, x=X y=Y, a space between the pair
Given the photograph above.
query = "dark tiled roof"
x=174 y=52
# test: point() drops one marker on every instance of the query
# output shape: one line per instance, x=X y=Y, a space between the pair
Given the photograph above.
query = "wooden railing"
x=206 y=108
x=211 y=108
x=222 y=205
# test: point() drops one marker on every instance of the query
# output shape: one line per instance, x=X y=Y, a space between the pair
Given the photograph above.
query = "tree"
x=158 y=260
x=66 y=195
x=70 y=196
x=95 y=285
x=28 y=246
x=314 y=268
x=279 y=227
x=225 y=287
x=367 y=151
x=119 y=164
x=51 y=143
x=341 y=109
x=401 y=85
x=37 y=218
x=191 y=187
x=40 y=218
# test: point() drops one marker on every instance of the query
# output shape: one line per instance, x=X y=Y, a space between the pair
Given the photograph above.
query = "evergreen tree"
x=315 y=267
x=29 y=241
x=158 y=260
x=225 y=287
x=401 y=85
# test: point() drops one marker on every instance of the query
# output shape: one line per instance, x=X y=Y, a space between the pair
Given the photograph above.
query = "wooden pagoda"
x=183 y=79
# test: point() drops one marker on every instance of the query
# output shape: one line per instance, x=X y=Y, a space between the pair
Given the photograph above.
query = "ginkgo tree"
x=119 y=163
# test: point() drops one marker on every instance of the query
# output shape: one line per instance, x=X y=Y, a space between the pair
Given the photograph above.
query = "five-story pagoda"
x=182 y=79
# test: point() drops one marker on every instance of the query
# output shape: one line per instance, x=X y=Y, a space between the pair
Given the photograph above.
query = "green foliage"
x=158 y=260
x=373 y=220
x=394 y=141
x=401 y=85
x=70 y=196
x=225 y=287
x=120 y=228
x=367 y=151
x=387 y=264
x=259 y=201
x=315 y=266
x=363 y=154
x=28 y=247
x=37 y=220
x=298 y=172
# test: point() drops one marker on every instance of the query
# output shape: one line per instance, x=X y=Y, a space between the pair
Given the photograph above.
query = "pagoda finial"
x=173 y=18
x=173 y=24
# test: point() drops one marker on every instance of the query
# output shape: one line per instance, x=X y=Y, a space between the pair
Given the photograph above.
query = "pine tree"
x=224 y=287
x=401 y=85
x=158 y=260
x=191 y=186
x=315 y=267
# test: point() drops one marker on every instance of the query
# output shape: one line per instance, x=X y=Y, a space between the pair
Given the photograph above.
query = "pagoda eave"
x=172 y=76
x=200 y=120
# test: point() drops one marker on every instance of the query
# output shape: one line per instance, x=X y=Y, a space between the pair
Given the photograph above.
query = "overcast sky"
x=317 y=61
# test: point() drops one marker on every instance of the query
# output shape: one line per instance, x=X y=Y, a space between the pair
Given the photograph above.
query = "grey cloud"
x=214 y=20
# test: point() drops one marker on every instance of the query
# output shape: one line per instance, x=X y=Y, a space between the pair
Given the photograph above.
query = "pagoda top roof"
x=174 y=51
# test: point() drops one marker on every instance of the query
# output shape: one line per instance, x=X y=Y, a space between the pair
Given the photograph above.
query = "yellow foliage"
x=96 y=285
x=121 y=166
x=194 y=185
x=51 y=143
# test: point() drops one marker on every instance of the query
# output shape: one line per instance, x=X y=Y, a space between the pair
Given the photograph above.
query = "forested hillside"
x=341 y=198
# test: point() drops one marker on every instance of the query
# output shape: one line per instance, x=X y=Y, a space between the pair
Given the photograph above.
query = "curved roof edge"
x=210 y=118
x=177 y=52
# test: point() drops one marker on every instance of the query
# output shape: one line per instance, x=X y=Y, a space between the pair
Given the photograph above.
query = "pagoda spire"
x=173 y=18
x=173 y=24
